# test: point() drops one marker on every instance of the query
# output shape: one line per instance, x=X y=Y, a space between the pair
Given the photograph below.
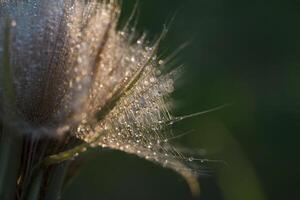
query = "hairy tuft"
x=75 y=73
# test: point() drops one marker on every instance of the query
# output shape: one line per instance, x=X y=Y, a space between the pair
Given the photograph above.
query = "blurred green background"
x=246 y=53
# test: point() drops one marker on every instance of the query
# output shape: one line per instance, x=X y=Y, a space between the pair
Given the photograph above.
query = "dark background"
x=246 y=53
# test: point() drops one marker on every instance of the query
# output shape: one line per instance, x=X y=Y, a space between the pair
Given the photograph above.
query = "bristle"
x=136 y=122
x=74 y=72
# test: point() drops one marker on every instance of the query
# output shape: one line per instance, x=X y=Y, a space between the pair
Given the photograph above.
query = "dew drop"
x=165 y=163
x=93 y=145
x=13 y=23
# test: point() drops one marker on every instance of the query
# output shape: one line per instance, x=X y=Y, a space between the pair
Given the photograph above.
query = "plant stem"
x=11 y=141
x=65 y=155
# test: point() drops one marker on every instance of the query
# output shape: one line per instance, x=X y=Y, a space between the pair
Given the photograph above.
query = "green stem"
x=66 y=155
x=11 y=141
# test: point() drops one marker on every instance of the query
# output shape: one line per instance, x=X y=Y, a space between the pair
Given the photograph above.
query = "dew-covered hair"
x=75 y=73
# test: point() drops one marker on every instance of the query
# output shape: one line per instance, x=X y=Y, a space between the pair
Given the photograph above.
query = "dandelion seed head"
x=73 y=71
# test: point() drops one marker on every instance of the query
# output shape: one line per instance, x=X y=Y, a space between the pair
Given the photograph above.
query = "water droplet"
x=190 y=159
x=93 y=145
x=13 y=23
x=152 y=79
x=165 y=163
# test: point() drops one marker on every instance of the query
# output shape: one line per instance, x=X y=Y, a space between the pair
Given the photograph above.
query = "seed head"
x=74 y=73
